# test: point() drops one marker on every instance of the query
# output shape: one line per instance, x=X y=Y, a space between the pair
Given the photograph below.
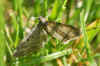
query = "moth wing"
x=62 y=32
x=32 y=43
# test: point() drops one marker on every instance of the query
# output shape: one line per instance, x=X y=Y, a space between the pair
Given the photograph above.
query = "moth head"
x=43 y=20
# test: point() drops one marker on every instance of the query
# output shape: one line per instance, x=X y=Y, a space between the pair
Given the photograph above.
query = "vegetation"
x=17 y=18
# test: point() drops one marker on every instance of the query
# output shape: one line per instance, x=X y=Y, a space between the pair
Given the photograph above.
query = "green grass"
x=2 y=37
x=81 y=51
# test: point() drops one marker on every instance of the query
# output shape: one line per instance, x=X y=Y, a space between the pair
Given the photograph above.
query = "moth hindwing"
x=38 y=36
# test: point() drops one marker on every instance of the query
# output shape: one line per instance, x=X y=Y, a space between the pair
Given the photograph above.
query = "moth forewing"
x=62 y=32
x=33 y=42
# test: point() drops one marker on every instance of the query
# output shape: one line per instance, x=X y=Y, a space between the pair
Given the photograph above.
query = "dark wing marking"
x=61 y=31
x=33 y=42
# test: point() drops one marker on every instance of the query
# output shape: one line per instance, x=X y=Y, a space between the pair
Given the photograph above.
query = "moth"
x=39 y=35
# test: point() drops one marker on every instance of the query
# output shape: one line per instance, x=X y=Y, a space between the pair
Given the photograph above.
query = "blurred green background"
x=17 y=18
